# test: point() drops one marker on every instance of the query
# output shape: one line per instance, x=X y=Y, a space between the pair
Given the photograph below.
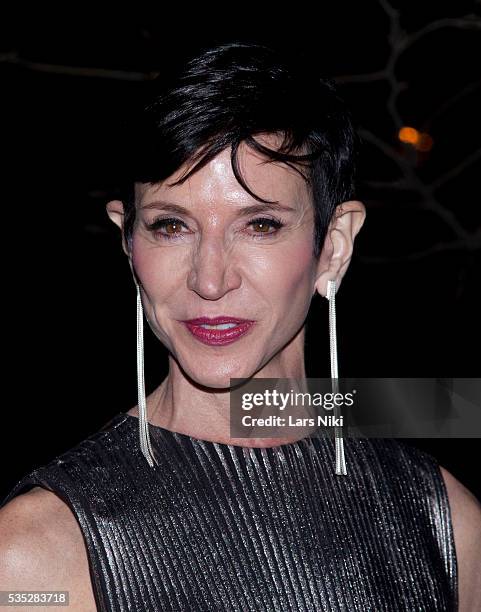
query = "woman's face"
x=212 y=261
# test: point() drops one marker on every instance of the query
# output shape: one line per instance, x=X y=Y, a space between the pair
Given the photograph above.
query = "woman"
x=226 y=256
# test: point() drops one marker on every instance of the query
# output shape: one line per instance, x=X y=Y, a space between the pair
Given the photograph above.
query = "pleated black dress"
x=217 y=527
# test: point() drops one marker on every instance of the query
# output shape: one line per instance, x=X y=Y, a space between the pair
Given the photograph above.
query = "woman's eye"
x=263 y=223
x=171 y=227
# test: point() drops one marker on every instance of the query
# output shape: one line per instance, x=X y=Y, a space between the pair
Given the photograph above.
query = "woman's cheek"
x=152 y=266
x=298 y=265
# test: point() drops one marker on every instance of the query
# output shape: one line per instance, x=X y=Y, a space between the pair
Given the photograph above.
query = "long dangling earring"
x=331 y=296
x=143 y=423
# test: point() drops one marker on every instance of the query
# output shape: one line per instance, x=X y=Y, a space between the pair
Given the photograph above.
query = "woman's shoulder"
x=46 y=520
x=42 y=548
x=466 y=522
x=446 y=503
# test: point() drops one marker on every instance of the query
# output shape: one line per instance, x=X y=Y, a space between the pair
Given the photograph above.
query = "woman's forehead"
x=216 y=182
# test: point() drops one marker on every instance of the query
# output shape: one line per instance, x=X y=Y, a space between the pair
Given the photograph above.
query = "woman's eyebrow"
x=245 y=210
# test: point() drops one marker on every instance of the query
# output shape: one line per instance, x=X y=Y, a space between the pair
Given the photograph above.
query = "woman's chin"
x=217 y=369
x=221 y=378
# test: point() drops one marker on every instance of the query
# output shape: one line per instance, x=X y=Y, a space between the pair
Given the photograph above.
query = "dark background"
x=409 y=303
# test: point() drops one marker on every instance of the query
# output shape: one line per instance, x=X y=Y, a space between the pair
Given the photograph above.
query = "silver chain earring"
x=331 y=296
x=144 y=437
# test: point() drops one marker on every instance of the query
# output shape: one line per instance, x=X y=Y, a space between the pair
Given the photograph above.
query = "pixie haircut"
x=226 y=95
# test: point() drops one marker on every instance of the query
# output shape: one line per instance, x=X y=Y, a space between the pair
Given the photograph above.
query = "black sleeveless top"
x=217 y=527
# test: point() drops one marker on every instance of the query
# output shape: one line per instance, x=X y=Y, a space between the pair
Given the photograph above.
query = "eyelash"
x=160 y=223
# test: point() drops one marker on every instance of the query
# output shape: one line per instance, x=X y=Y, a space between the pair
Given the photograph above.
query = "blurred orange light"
x=409 y=135
x=419 y=140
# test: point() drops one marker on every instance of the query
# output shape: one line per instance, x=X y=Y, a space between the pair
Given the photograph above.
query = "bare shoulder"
x=42 y=548
x=466 y=520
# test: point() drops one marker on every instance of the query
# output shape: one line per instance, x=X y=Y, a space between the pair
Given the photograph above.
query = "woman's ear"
x=336 y=253
x=115 y=211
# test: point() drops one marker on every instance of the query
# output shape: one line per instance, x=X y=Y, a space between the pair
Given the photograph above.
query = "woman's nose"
x=212 y=271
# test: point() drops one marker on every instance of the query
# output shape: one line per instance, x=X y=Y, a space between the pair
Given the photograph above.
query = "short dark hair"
x=226 y=94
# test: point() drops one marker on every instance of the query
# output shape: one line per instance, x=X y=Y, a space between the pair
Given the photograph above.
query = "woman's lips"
x=218 y=336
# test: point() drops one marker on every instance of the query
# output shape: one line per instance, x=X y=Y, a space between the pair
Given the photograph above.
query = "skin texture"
x=216 y=267
x=42 y=549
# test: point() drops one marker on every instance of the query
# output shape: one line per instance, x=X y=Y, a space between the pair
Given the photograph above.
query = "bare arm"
x=466 y=519
x=41 y=548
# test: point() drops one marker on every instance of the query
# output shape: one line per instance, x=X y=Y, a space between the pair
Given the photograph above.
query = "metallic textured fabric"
x=216 y=527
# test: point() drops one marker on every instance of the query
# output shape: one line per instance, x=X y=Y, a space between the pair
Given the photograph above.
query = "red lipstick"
x=236 y=329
